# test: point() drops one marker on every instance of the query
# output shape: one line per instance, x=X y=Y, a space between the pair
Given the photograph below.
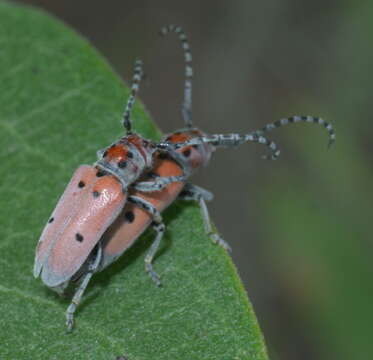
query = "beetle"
x=93 y=199
x=70 y=246
x=133 y=196
x=194 y=149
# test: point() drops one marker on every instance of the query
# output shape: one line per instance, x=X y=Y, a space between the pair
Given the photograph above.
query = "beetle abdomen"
x=90 y=203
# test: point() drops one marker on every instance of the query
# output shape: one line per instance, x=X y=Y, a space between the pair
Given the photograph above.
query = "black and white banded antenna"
x=137 y=76
x=186 y=108
x=294 y=119
x=233 y=140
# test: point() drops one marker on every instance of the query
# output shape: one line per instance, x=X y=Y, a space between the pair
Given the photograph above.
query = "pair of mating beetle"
x=108 y=205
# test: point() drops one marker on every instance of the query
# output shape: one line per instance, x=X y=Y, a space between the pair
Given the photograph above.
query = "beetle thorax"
x=196 y=155
x=126 y=159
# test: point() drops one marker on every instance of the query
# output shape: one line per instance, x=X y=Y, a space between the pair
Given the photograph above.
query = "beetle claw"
x=70 y=325
x=70 y=317
x=216 y=239
x=155 y=277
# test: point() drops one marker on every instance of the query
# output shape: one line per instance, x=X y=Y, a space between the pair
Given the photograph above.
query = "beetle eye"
x=122 y=164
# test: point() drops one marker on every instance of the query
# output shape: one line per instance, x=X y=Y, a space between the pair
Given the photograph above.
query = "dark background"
x=299 y=227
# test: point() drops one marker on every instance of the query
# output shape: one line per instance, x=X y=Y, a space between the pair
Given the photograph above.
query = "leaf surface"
x=59 y=103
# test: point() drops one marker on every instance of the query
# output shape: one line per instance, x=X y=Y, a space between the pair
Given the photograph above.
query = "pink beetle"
x=72 y=247
x=91 y=202
x=193 y=150
x=134 y=179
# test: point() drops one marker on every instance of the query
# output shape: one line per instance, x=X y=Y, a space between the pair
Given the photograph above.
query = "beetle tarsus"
x=80 y=291
x=149 y=269
x=193 y=192
x=70 y=317
x=218 y=240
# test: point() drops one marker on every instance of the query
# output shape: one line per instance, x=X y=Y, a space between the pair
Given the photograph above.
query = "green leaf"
x=59 y=103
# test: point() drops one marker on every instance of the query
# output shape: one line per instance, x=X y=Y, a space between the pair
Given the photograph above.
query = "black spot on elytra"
x=81 y=184
x=187 y=152
x=122 y=164
x=96 y=194
x=51 y=220
x=195 y=146
x=129 y=216
x=130 y=155
x=79 y=237
x=100 y=173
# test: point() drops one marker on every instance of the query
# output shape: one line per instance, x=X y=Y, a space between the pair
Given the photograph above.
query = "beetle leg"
x=159 y=227
x=161 y=182
x=158 y=183
x=80 y=291
x=193 y=192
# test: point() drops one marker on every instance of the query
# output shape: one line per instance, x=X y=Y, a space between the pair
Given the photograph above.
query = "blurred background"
x=298 y=226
